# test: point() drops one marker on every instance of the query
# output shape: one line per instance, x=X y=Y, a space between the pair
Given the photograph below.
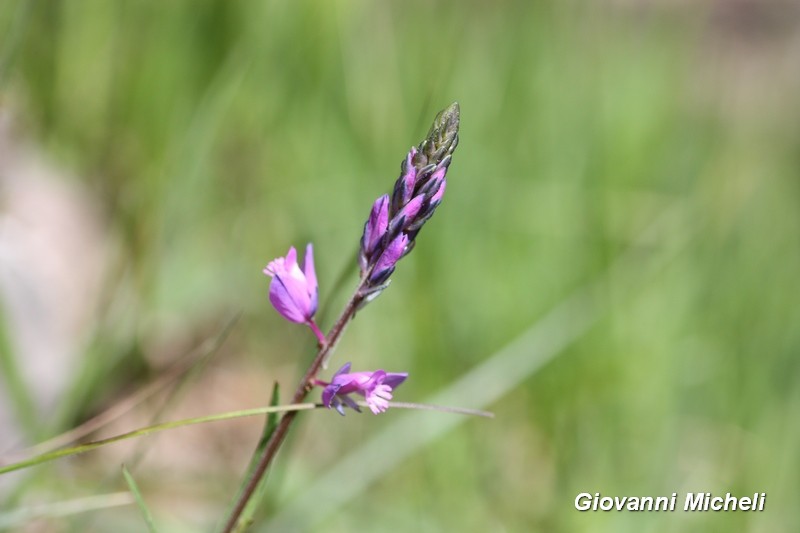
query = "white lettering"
x=694 y=502
x=606 y=503
x=744 y=503
x=662 y=504
x=583 y=501
x=730 y=499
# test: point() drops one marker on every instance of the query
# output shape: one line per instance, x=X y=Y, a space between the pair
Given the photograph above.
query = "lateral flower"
x=293 y=292
x=376 y=387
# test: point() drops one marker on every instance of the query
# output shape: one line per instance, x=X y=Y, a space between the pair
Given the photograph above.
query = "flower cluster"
x=395 y=221
x=389 y=234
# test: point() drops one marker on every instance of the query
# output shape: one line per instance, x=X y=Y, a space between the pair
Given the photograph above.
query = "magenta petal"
x=377 y=223
x=349 y=382
x=412 y=208
x=328 y=394
x=409 y=179
x=392 y=254
x=439 y=173
x=311 y=278
x=291 y=258
x=376 y=378
x=395 y=379
x=344 y=370
x=351 y=403
x=289 y=298
x=437 y=197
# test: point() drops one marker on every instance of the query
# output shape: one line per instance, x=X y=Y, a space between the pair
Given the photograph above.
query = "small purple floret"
x=437 y=196
x=389 y=257
x=376 y=387
x=376 y=224
x=411 y=208
x=409 y=177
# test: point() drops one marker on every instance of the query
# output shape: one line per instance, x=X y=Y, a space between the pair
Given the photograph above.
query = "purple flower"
x=293 y=292
x=376 y=387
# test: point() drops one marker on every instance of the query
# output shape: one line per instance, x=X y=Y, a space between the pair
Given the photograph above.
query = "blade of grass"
x=230 y=415
x=137 y=495
x=89 y=446
x=21 y=516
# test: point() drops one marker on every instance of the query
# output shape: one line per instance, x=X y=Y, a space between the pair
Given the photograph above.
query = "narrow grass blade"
x=16 y=519
x=89 y=446
x=137 y=495
x=272 y=421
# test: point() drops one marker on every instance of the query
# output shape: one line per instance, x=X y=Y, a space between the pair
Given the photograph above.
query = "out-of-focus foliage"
x=210 y=136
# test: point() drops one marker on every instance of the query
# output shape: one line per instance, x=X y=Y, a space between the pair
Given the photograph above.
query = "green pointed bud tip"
x=443 y=134
x=446 y=121
x=452 y=114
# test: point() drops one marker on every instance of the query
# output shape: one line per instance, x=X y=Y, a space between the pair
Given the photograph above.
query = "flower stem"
x=327 y=345
x=318 y=332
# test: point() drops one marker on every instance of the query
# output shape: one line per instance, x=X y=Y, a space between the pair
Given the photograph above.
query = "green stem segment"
x=303 y=388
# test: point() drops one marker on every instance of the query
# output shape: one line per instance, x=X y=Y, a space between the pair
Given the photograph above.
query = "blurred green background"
x=614 y=267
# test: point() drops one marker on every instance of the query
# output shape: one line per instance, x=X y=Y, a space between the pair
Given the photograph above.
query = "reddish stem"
x=327 y=345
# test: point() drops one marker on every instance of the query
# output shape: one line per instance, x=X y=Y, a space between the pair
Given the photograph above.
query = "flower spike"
x=393 y=224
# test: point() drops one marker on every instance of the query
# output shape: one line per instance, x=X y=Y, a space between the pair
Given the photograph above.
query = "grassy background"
x=636 y=160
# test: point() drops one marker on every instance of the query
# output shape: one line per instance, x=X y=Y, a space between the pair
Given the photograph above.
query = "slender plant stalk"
x=389 y=234
x=303 y=388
